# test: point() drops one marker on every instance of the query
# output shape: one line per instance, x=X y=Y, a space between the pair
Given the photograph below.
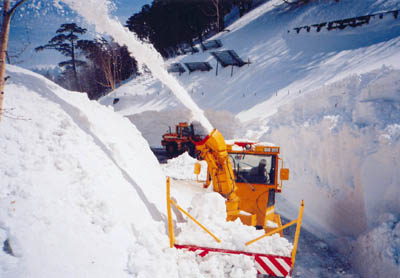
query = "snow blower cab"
x=256 y=168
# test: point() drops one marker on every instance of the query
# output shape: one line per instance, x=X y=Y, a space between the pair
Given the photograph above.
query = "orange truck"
x=180 y=141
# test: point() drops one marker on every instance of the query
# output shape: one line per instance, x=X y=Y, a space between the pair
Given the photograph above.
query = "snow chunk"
x=242 y=140
x=376 y=253
x=236 y=147
x=209 y=210
x=391 y=133
x=182 y=168
x=149 y=252
x=334 y=119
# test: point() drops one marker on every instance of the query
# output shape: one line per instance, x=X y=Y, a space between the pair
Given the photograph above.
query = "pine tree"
x=66 y=43
x=167 y=24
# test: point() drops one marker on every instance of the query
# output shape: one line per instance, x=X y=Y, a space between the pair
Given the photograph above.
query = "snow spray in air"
x=96 y=12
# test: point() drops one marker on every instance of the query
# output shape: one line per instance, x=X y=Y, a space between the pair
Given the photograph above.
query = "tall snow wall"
x=342 y=145
x=80 y=190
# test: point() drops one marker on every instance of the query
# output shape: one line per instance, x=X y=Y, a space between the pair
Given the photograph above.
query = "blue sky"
x=125 y=7
x=29 y=30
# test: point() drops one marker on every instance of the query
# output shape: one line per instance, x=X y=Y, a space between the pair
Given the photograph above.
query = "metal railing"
x=170 y=223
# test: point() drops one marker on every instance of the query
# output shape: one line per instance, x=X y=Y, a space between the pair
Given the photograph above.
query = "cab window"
x=252 y=168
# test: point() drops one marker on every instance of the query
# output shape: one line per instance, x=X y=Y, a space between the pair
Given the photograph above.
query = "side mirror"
x=284 y=174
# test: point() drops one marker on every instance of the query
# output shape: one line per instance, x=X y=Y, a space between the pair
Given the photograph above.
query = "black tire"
x=190 y=148
x=171 y=150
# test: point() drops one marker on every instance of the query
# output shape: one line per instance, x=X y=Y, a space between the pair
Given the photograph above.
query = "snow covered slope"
x=281 y=62
x=72 y=181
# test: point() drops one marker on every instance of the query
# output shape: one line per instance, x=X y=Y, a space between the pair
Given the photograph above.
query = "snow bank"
x=376 y=253
x=75 y=180
x=341 y=143
x=149 y=260
x=182 y=168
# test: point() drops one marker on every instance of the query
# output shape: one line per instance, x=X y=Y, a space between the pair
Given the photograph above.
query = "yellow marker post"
x=170 y=223
x=297 y=234
x=272 y=232
x=195 y=221
x=197 y=170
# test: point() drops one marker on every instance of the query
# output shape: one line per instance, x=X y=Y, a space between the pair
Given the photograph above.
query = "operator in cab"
x=259 y=173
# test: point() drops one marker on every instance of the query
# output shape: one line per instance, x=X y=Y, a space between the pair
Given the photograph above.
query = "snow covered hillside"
x=330 y=99
x=281 y=62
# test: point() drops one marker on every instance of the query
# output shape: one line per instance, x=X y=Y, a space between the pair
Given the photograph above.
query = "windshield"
x=253 y=168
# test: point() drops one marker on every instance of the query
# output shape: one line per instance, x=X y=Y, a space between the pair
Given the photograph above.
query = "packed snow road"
x=160 y=153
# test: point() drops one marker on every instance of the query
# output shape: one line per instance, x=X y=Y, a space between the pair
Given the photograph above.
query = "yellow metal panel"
x=250 y=220
x=259 y=149
x=169 y=213
x=284 y=174
x=197 y=168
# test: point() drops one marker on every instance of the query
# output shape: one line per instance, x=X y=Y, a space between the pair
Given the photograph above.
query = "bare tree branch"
x=12 y=10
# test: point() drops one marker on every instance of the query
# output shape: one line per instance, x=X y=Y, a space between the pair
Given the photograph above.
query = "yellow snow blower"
x=247 y=175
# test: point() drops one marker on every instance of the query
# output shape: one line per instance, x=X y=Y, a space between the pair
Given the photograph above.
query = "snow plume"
x=97 y=12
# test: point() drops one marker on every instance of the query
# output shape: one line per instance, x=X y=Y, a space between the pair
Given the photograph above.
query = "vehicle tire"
x=192 y=150
x=171 y=150
x=189 y=148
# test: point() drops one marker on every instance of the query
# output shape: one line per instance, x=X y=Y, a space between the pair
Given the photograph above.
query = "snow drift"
x=74 y=179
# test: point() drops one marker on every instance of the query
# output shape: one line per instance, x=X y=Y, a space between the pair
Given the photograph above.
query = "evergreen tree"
x=66 y=43
x=243 y=5
x=169 y=23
